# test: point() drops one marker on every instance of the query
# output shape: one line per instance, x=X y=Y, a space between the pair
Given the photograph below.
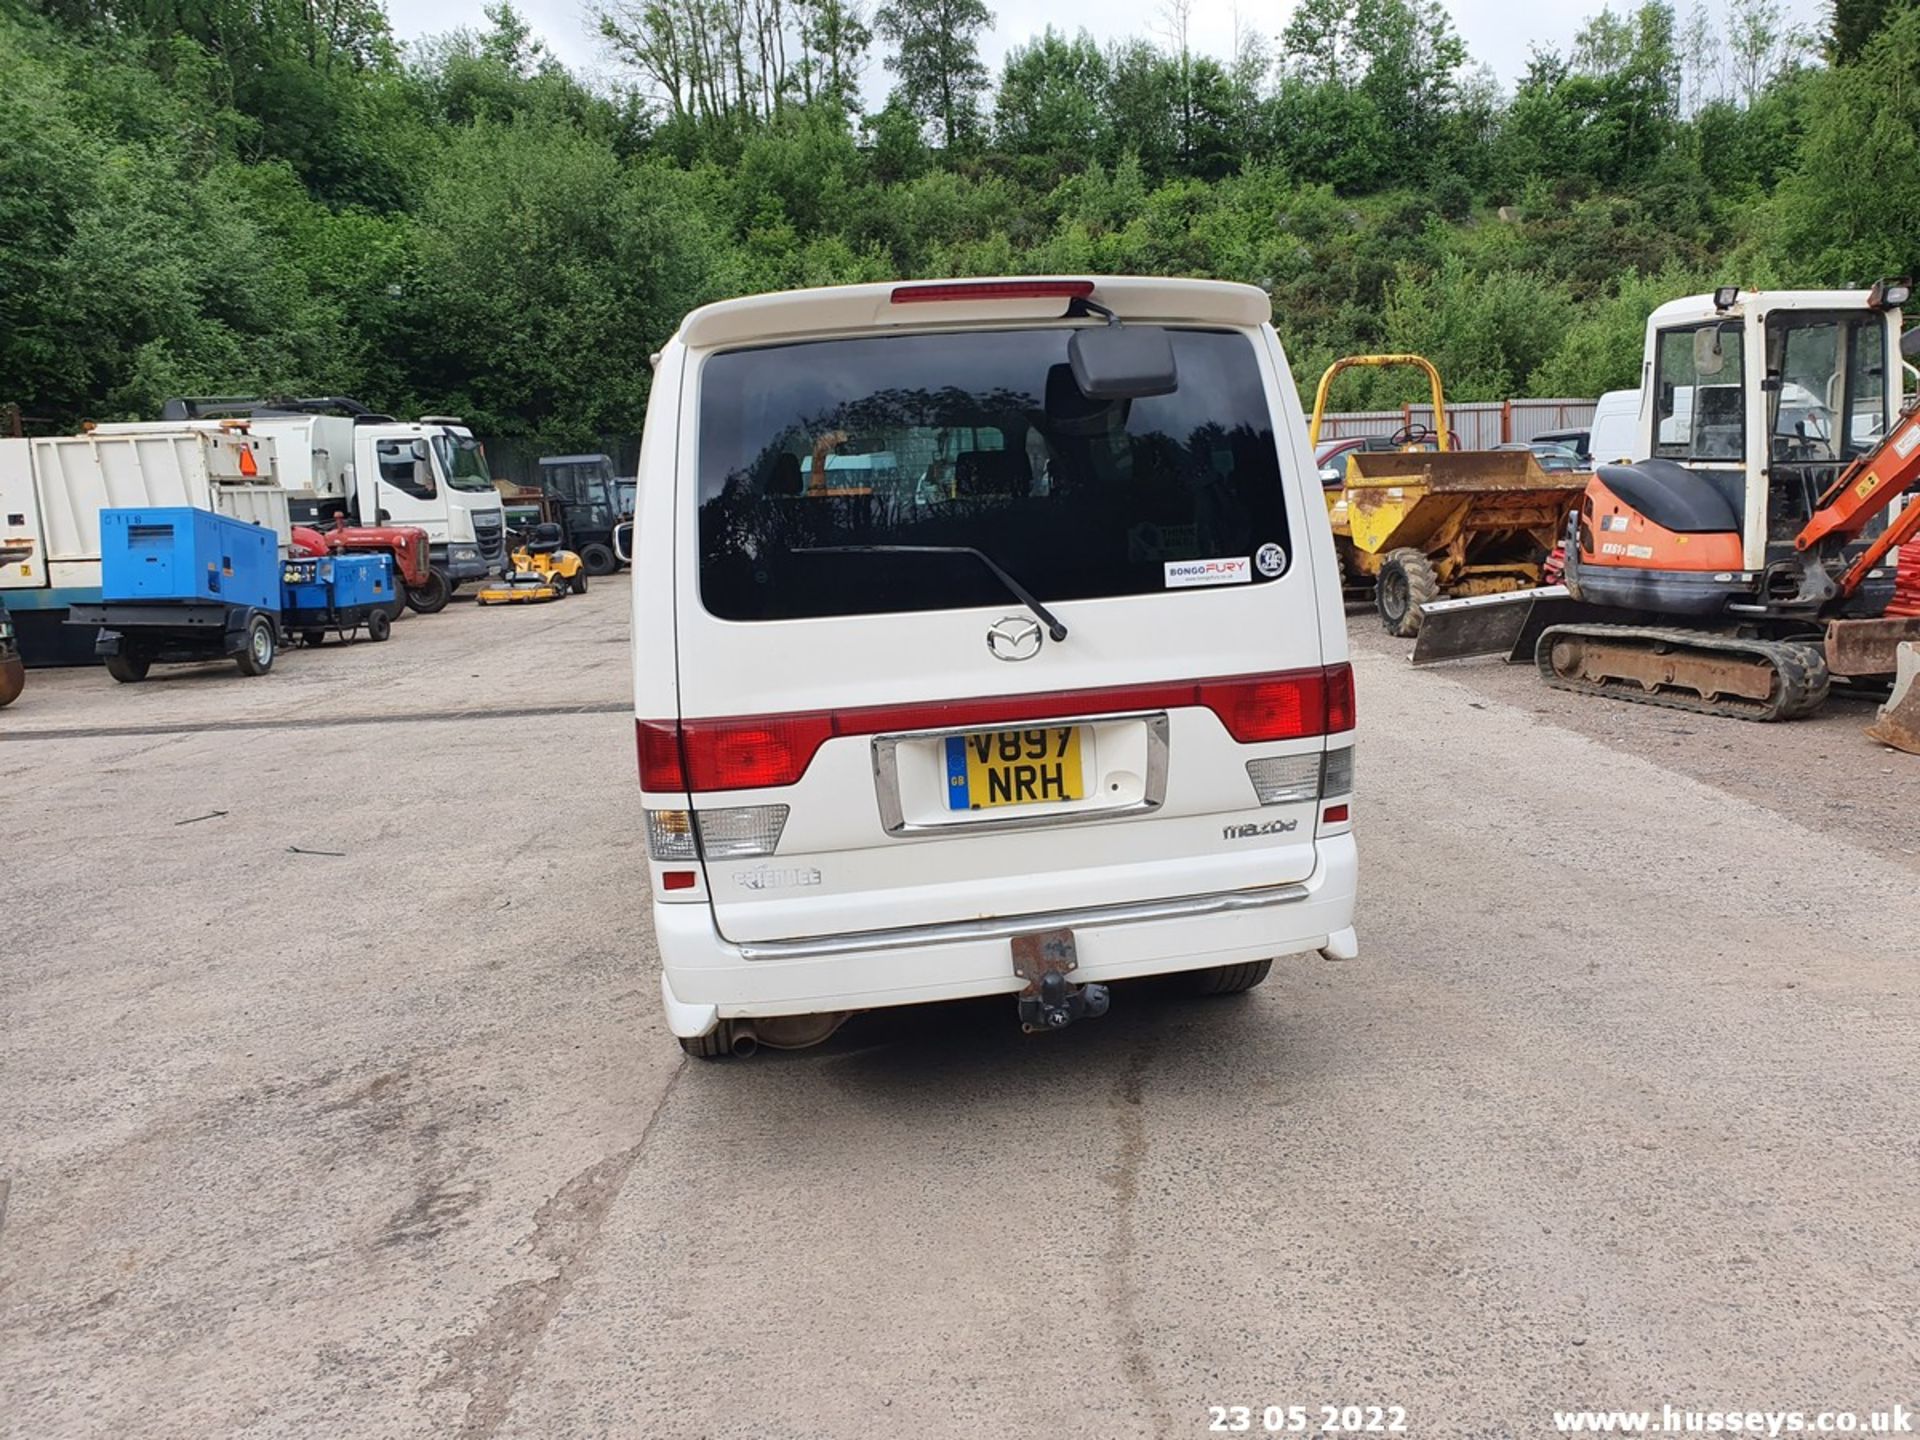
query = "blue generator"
x=180 y=553
x=319 y=593
x=183 y=584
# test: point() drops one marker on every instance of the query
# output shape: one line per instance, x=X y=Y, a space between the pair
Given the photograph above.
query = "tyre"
x=579 y=582
x=397 y=606
x=431 y=595
x=598 y=559
x=1230 y=979
x=129 y=668
x=1407 y=584
x=262 y=645
x=13 y=679
x=312 y=639
x=379 y=626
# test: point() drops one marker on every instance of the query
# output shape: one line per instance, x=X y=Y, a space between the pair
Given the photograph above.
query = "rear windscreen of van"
x=981 y=440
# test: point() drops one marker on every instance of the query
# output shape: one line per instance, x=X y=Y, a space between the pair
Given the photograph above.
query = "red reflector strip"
x=766 y=751
x=992 y=290
x=678 y=879
x=1335 y=815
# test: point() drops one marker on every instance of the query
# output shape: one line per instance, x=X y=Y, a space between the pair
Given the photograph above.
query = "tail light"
x=753 y=752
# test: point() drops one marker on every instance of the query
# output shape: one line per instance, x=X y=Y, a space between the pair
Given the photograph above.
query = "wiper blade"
x=1019 y=592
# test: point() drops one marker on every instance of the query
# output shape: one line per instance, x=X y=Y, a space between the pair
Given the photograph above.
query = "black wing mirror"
x=1122 y=362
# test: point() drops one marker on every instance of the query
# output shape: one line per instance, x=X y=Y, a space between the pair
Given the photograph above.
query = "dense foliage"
x=273 y=196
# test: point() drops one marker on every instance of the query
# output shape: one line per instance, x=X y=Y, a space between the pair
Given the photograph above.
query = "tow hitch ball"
x=1051 y=1001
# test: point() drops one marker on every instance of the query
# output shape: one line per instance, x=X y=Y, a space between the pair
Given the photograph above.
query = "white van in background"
x=1615 y=432
x=987 y=639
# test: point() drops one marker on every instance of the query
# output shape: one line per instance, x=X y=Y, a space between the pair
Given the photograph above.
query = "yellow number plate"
x=1013 y=767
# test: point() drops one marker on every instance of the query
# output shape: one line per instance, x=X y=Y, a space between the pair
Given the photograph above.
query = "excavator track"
x=1693 y=670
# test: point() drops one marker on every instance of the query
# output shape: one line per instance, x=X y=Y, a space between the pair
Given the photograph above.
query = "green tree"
x=936 y=54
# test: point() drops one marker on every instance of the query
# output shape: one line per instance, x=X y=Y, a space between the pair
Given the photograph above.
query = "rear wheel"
x=1407 y=584
x=379 y=626
x=1230 y=979
x=313 y=638
x=128 y=667
x=257 y=658
x=430 y=596
x=598 y=559
x=579 y=582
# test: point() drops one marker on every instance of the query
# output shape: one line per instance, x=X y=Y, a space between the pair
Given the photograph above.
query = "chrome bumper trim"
x=860 y=942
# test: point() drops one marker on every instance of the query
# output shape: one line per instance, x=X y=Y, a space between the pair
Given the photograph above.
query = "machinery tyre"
x=1407 y=584
x=598 y=559
x=430 y=598
x=128 y=669
x=262 y=645
x=313 y=638
x=397 y=606
x=379 y=626
x=1230 y=979
x=579 y=582
x=13 y=679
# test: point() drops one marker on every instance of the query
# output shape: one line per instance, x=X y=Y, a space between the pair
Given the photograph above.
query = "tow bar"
x=1051 y=1001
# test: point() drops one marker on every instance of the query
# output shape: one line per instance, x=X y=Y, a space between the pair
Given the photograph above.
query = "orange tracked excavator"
x=1744 y=562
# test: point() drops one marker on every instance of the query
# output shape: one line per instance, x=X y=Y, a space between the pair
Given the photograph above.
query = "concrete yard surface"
x=335 y=1098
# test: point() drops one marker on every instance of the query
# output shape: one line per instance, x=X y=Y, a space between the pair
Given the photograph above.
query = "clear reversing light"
x=741 y=831
x=1285 y=779
x=1296 y=779
x=670 y=835
x=1336 y=776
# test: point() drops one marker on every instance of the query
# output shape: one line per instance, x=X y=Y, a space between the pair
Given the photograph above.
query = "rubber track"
x=1801 y=667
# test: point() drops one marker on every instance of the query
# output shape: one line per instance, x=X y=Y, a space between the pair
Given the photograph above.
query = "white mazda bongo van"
x=987 y=639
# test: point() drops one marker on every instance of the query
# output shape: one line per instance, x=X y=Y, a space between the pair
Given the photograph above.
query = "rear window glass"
x=981 y=440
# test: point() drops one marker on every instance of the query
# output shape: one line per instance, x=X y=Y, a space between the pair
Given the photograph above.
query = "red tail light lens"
x=1341 y=711
x=752 y=754
x=992 y=290
x=660 y=770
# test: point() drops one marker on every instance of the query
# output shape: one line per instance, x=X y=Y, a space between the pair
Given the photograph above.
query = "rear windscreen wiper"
x=1014 y=587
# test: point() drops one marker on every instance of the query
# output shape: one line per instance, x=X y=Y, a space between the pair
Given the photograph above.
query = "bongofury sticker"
x=1182 y=573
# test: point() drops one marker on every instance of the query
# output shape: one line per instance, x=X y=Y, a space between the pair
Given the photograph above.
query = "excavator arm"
x=1865 y=488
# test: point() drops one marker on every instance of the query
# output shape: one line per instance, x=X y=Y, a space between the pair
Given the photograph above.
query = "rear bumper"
x=705 y=979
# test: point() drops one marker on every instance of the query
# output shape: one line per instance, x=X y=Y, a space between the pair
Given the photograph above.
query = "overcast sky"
x=1497 y=32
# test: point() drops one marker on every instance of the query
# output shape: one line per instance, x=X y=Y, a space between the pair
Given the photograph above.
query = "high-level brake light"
x=992 y=290
x=749 y=752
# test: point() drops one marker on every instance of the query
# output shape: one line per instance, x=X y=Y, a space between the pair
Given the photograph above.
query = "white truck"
x=336 y=456
x=52 y=491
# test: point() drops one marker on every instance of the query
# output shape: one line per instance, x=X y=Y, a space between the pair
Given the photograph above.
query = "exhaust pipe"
x=742 y=1041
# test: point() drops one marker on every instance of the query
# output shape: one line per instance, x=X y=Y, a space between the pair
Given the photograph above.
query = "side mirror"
x=1122 y=362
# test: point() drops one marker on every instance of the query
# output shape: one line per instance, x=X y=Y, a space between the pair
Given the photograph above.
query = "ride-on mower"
x=541 y=571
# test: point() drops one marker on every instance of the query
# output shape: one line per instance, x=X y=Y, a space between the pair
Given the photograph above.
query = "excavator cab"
x=1741 y=560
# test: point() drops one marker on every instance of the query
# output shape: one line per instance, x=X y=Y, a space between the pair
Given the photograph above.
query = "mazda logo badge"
x=1014 y=637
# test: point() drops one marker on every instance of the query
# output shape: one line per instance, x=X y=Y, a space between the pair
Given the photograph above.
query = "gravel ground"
x=1617 y=1107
